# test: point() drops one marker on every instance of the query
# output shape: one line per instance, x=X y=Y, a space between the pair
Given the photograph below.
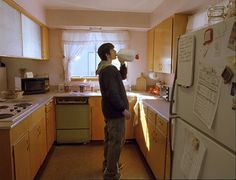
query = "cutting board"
x=141 y=83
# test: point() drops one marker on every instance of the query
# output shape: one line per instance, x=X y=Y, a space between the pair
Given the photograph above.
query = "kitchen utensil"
x=60 y=88
x=12 y=94
x=141 y=83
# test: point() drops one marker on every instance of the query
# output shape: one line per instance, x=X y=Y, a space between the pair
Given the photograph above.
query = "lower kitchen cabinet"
x=129 y=124
x=157 y=152
x=168 y=155
x=37 y=137
x=21 y=153
x=97 y=119
x=23 y=147
x=151 y=136
x=50 y=123
x=141 y=130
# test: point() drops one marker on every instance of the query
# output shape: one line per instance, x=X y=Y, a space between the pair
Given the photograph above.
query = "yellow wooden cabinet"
x=97 y=119
x=129 y=124
x=44 y=42
x=37 y=137
x=21 y=152
x=156 y=156
x=162 y=46
x=19 y=34
x=179 y=27
x=141 y=130
x=168 y=155
x=50 y=123
x=151 y=136
x=150 y=49
x=24 y=147
x=162 y=43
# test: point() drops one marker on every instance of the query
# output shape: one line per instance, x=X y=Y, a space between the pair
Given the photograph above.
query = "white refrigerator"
x=204 y=103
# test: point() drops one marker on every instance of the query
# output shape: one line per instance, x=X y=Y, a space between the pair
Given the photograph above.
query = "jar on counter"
x=215 y=14
x=231 y=9
x=66 y=88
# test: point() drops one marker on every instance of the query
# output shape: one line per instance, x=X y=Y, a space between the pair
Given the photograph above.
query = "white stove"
x=10 y=110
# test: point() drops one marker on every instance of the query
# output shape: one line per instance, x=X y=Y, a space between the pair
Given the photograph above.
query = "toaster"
x=165 y=92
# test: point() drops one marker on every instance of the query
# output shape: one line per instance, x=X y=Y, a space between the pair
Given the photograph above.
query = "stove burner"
x=4 y=107
x=23 y=104
x=5 y=115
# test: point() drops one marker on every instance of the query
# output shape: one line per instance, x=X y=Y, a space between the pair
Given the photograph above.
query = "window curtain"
x=74 y=41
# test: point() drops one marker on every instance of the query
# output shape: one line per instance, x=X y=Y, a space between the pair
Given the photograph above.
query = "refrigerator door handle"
x=174 y=114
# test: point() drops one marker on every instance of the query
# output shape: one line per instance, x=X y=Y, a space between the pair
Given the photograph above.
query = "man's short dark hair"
x=104 y=49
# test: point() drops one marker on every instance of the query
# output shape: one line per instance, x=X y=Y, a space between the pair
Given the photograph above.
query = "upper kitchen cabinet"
x=31 y=37
x=150 y=45
x=10 y=31
x=44 y=43
x=22 y=36
x=162 y=43
x=162 y=46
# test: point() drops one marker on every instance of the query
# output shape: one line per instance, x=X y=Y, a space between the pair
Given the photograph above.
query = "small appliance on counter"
x=29 y=75
x=3 y=78
x=165 y=92
x=34 y=85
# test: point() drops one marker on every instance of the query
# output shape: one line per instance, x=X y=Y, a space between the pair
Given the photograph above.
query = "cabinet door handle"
x=27 y=145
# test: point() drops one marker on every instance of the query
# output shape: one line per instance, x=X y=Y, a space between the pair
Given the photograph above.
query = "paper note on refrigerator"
x=207 y=93
x=186 y=52
x=194 y=151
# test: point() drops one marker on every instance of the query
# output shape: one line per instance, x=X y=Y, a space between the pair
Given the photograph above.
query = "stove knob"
x=18 y=110
x=24 y=107
x=11 y=110
x=15 y=107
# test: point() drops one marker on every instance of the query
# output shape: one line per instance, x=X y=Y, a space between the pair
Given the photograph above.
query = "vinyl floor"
x=84 y=161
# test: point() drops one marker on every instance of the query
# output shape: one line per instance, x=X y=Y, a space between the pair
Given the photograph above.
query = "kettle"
x=127 y=54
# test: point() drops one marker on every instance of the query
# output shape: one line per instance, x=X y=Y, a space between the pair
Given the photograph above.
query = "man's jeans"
x=114 y=139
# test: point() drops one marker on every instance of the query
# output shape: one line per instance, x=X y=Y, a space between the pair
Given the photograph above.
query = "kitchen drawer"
x=18 y=131
x=49 y=106
x=161 y=125
x=37 y=116
x=151 y=115
x=145 y=108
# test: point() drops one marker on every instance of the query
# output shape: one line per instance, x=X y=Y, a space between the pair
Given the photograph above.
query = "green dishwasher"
x=72 y=120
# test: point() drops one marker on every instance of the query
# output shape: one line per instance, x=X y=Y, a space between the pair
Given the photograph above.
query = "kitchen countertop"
x=38 y=100
x=160 y=106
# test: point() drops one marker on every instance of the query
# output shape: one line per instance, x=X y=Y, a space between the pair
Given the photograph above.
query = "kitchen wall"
x=54 y=69
x=34 y=7
x=167 y=8
x=77 y=18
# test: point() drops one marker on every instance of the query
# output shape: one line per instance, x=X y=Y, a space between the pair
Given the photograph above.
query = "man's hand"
x=127 y=114
x=122 y=61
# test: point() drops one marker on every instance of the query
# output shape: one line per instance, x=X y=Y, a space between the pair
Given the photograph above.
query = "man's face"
x=113 y=54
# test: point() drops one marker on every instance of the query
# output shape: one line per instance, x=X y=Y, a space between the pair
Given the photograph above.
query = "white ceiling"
x=145 y=6
x=140 y=6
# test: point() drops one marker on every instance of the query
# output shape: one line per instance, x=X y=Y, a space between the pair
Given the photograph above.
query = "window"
x=80 y=50
x=85 y=64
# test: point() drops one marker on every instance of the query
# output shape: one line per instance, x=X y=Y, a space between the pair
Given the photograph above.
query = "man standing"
x=115 y=108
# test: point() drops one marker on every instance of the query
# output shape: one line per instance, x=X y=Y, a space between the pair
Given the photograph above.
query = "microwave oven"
x=34 y=85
